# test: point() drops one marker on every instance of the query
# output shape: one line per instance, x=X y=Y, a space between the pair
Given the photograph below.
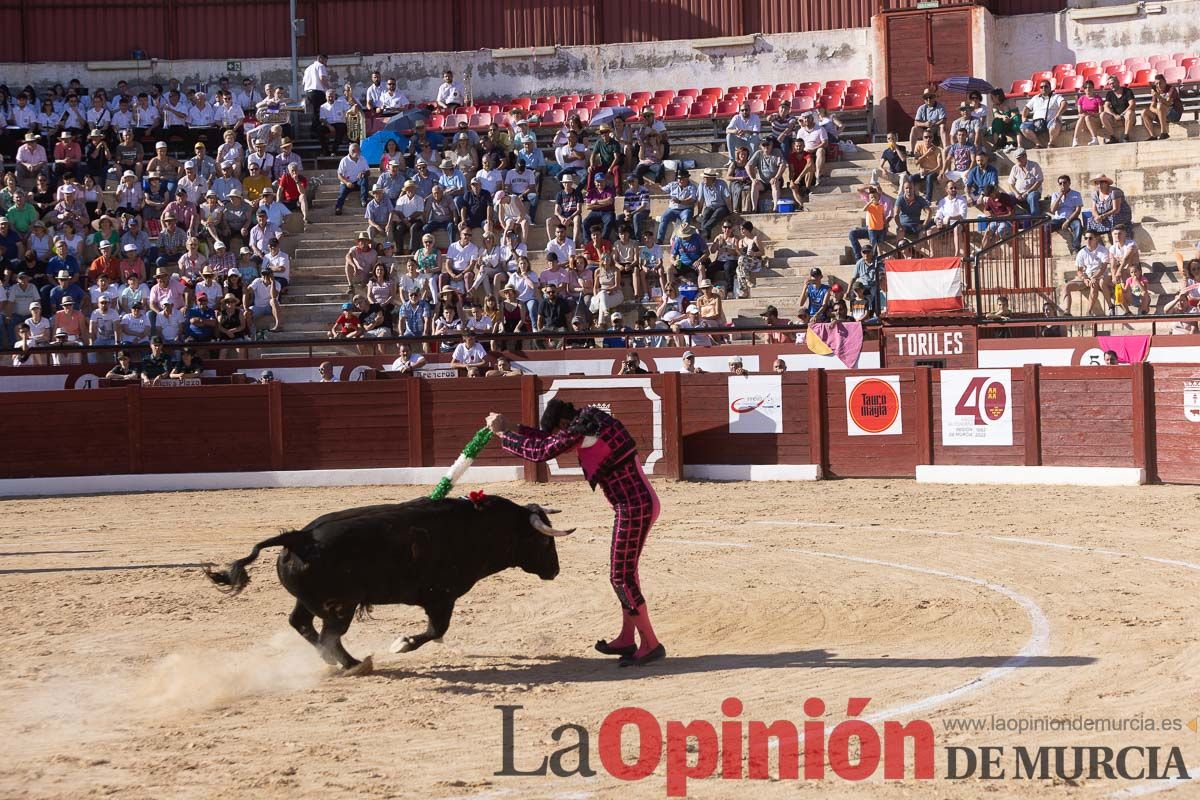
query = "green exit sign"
x=233 y=66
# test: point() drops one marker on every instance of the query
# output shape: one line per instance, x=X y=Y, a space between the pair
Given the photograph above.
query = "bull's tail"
x=234 y=578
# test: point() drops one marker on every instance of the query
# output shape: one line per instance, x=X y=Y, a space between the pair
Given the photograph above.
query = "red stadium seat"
x=1193 y=73
x=492 y=109
x=841 y=85
x=785 y=87
x=688 y=93
x=712 y=91
x=468 y=110
x=1113 y=69
x=589 y=97
x=810 y=88
x=757 y=96
x=1069 y=84
x=1061 y=70
x=1090 y=73
x=664 y=94
x=452 y=121
x=642 y=96
x=1179 y=58
x=548 y=99
x=1086 y=66
x=781 y=96
x=702 y=108
x=854 y=101
x=606 y=103
x=683 y=100
x=761 y=87
x=657 y=108
x=568 y=98
x=540 y=108
x=1043 y=75
x=676 y=111
x=563 y=106
x=772 y=105
x=1020 y=88
x=862 y=83
x=756 y=106
x=1189 y=62
x=1142 y=78
x=1135 y=65
x=1110 y=62
x=726 y=108
x=584 y=113
x=436 y=122
x=521 y=102
x=590 y=105
x=803 y=103
x=739 y=90
x=831 y=102
x=1175 y=74
x=480 y=121
x=555 y=117
x=618 y=96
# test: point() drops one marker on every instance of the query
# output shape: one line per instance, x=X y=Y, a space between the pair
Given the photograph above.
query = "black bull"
x=423 y=552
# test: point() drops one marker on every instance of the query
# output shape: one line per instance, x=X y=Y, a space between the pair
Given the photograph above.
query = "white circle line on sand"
x=994 y=537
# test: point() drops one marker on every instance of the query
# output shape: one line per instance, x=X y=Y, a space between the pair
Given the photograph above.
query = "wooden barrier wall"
x=1145 y=416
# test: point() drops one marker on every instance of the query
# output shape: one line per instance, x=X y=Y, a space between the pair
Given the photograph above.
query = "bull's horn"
x=542 y=527
x=535 y=507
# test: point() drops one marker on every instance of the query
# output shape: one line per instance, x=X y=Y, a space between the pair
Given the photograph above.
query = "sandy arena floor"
x=126 y=674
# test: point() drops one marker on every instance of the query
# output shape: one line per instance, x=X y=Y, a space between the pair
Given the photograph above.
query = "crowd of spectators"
x=156 y=213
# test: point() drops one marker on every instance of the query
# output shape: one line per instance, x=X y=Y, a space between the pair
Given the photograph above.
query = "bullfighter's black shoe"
x=603 y=647
x=633 y=661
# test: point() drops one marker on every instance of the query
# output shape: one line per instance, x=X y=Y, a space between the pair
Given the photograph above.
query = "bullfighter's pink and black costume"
x=608 y=456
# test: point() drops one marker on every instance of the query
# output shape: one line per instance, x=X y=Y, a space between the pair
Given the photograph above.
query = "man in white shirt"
x=262 y=298
x=1043 y=115
x=526 y=184
x=175 y=110
x=353 y=172
x=192 y=183
x=816 y=141
x=316 y=84
x=461 y=256
x=248 y=97
x=950 y=209
x=146 y=115
x=24 y=115
x=374 y=91
x=122 y=118
x=1092 y=264
x=1025 y=181
x=333 y=122
x=409 y=215
x=450 y=94
x=392 y=101
x=201 y=114
x=743 y=130
x=561 y=245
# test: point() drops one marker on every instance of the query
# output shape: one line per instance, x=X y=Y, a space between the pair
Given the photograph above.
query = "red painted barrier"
x=880 y=423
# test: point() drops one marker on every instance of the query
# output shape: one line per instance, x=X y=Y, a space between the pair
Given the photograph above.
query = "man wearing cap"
x=646 y=126
x=263 y=159
x=276 y=211
x=70 y=319
x=63 y=341
x=688 y=251
x=441 y=213
x=693 y=321
x=392 y=180
x=452 y=179
x=379 y=214
x=226 y=181
x=285 y=158
x=102 y=326
x=32 y=159
x=816 y=299
x=930 y=115
x=765 y=169
x=360 y=262
x=408 y=216
x=279 y=263
x=185 y=212
x=261 y=233
x=201 y=324
x=207 y=284
x=192 y=184
x=682 y=208
x=353 y=172
x=1025 y=181
x=131 y=198
x=601 y=205
x=868 y=274
x=568 y=207
x=157 y=363
x=135 y=235
x=713 y=205
x=772 y=319
x=206 y=165
x=107 y=263
x=332 y=130
x=96 y=158
x=967 y=121
x=687 y=364
x=736 y=367
x=475 y=207
x=70 y=209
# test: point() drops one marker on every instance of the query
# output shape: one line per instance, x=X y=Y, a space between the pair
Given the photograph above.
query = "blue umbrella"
x=965 y=84
x=372 y=147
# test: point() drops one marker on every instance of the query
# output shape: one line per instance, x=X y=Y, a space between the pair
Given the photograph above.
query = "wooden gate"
x=923 y=48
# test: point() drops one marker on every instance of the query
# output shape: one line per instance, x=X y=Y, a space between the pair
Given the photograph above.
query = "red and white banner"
x=924 y=285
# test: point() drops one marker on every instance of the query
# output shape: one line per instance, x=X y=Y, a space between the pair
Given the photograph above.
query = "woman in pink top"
x=609 y=459
x=1090 y=105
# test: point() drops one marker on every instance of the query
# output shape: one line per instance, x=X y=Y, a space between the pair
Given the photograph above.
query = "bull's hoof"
x=364 y=667
x=404 y=644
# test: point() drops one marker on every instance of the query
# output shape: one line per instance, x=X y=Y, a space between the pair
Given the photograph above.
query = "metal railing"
x=1017 y=267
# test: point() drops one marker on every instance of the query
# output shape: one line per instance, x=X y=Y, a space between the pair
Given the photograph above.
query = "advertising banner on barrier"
x=977 y=407
x=755 y=404
x=873 y=406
